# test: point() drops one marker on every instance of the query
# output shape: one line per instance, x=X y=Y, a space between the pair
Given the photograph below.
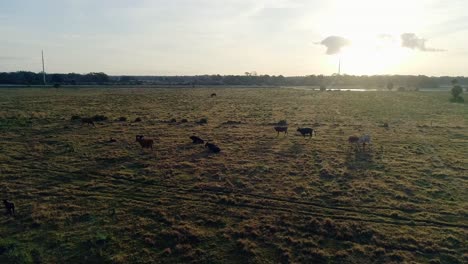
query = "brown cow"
x=145 y=143
x=353 y=139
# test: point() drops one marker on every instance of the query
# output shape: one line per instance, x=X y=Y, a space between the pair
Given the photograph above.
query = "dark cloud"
x=411 y=41
x=334 y=44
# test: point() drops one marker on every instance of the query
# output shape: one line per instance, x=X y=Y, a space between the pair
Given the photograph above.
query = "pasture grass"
x=263 y=199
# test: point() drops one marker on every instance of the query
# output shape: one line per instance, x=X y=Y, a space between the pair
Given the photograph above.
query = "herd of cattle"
x=148 y=144
x=305 y=131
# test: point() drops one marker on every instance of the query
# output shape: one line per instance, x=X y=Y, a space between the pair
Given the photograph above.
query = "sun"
x=374 y=31
x=373 y=55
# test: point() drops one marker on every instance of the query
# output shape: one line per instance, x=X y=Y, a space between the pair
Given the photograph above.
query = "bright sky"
x=187 y=37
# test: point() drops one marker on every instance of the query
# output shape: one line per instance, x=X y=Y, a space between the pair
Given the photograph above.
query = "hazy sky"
x=185 y=37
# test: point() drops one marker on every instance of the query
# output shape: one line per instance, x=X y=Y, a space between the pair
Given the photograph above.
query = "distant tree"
x=390 y=86
x=457 y=90
x=56 y=78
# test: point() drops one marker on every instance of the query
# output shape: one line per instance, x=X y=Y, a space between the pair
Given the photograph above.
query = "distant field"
x=263 y=199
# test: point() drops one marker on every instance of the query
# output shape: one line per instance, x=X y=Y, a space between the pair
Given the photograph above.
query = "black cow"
x=197 y=140
x=86 y=120
x=306 y=131
x=9 y=207
x=212 y=147
x=281 y=129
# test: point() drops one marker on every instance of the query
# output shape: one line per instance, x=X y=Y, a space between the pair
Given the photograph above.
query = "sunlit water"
x=360 y=89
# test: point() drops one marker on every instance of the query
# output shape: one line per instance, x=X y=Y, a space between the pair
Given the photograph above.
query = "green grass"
x=263 y=199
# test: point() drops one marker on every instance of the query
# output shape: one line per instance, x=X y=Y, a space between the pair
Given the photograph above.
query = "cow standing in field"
x=86 y=120
x=9 y=207
x=306 y=131
x=145 y=143
x=281 y=129
x=353 y=140
x=213 y=95
x=197 y=140
x=364 y=139
x=212 y=147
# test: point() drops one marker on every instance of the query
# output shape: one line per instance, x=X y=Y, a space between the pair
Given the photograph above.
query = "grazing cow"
x=364 y=139
x=281 y=129
x=9 y=207
x=353 y=139
x=212 y=147
x=197 y=140
x=87 y=120
x=145 y=143
x=306 y=131
x=213 y=94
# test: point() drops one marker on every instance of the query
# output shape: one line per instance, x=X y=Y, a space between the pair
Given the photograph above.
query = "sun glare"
x=372 y=55
x=374 y=30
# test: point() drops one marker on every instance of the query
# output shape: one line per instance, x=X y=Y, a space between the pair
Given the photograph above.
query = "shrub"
x=323 y=88
x=456 y=91
x=122 y=119
x=75 y=117
x=390 y=86
x=137 y=119
x=184 y=120
x=457 y=100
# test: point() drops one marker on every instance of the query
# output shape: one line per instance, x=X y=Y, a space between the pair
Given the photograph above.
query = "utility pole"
x=43 y=69
x=339 y=66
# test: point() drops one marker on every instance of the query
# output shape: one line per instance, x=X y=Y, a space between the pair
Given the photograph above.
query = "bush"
x=137 y=119
x=323 y=88
x=184 y=120
x=456 y=91
x=457 y=100
x=173 y=120
x=75 y=117
x=122 y=119
x=390 y=86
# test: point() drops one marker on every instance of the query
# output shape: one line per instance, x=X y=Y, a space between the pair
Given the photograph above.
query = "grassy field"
x=263 y=199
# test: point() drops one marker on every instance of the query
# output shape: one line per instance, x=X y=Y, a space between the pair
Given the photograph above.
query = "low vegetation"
x=82 y=198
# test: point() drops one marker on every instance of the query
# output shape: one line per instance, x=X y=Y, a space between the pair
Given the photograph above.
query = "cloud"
x=334 y=44
x=411 y=41
x=11 y=58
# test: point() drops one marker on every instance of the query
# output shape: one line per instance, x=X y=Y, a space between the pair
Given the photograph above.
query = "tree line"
x=375 y=81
